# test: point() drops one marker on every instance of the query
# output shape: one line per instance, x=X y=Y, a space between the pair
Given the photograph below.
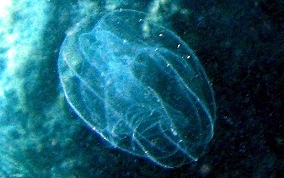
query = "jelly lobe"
x=139 y=86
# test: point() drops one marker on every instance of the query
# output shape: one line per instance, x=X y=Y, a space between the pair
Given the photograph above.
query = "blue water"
x=238 y=44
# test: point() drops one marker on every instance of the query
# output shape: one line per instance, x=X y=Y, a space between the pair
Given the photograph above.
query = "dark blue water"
x=239 y=45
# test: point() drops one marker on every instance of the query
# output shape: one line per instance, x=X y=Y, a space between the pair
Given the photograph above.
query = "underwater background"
x=240 y=44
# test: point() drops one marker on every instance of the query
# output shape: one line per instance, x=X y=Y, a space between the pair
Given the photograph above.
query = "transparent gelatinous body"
x=139 y=86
